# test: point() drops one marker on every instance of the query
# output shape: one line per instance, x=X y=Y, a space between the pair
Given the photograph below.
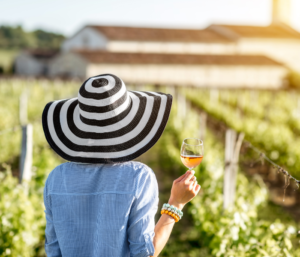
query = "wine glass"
x=191 y=153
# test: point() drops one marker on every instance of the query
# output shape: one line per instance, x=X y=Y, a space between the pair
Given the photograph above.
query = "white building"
x=96 y=49
x=228 y=71
x=278 y=41
x=33 y=62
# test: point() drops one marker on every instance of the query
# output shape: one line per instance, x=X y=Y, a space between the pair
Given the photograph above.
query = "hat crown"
x=102 y=97
x=101 y=82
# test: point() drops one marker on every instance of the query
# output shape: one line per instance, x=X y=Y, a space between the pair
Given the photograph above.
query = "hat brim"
x=122 y=138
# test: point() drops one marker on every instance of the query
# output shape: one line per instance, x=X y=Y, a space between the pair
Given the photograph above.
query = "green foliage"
x=205 y=231
x=39 y=94
x=21 y=218
x=270 y=120
x=47 y=40
x=14 y=37
x=7 y=57
x=17 y=38
x=21 y=214
x=293 y=79
x=237 y=231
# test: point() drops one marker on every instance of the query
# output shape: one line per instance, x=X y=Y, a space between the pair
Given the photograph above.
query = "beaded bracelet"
x=172 y=211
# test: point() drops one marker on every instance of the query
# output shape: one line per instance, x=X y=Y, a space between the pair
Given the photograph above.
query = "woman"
x=102 y=203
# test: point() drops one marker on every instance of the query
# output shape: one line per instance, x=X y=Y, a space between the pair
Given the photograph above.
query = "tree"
x=17 y=38
x=47 y=40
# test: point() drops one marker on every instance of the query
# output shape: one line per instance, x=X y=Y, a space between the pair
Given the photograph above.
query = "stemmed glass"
x=191 y=152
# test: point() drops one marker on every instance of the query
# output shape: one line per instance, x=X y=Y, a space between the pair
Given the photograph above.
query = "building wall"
x=68 y=65
x=29 y=66
x=286 y=51
x=196 y=75
x=86 y=38
x=171 y=47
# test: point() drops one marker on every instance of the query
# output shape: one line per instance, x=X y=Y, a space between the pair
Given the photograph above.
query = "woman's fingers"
x=196 y=188
x=184 y=176
x=193 y=179
x=188 y=177
x=191 y=186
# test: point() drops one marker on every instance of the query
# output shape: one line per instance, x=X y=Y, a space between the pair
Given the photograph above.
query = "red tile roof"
x=184 y=59
x=42 y=53
x=276 y=30
x=159 y=34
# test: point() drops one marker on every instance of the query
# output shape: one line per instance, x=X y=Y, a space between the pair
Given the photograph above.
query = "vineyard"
x=254 y=226
x=270 y=120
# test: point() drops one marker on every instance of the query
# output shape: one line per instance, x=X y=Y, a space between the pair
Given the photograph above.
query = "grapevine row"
x=238 y=231
x=277 y=140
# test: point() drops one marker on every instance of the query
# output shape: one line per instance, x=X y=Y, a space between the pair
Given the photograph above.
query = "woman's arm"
x=184 y=189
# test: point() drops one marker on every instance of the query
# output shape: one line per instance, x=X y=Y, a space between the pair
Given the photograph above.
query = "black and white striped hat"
x=106 y=123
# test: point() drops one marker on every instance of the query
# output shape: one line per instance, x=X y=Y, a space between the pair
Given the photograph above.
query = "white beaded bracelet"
x=172 y=211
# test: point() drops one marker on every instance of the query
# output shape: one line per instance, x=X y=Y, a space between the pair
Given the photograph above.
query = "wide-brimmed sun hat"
x=106 y=123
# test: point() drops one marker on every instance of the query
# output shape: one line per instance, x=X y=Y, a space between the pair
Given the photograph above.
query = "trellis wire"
x=279 y=168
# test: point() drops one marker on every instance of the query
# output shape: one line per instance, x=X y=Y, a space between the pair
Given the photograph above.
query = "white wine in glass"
x=191 y=152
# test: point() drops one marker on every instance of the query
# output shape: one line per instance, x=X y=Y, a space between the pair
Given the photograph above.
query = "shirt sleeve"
x=51 y=243
x=141 y=219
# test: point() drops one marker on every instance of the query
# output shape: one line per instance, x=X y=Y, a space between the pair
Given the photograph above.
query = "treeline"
x=16 y=38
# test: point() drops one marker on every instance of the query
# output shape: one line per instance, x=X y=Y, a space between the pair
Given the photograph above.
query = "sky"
x=67 y=16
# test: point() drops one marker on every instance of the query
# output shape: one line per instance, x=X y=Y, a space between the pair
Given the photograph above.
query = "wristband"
x=172 y=211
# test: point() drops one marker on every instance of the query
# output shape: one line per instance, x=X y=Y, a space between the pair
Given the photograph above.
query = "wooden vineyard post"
x=23 y=109
x=26 y=153
x=27 y=142
x=230 y=139
x=232 y=150
x=203 y=120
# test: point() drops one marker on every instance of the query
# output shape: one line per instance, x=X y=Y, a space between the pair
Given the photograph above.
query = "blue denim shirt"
x=100 y=210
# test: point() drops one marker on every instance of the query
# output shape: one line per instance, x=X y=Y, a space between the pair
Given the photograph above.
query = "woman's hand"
x=184 y=189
